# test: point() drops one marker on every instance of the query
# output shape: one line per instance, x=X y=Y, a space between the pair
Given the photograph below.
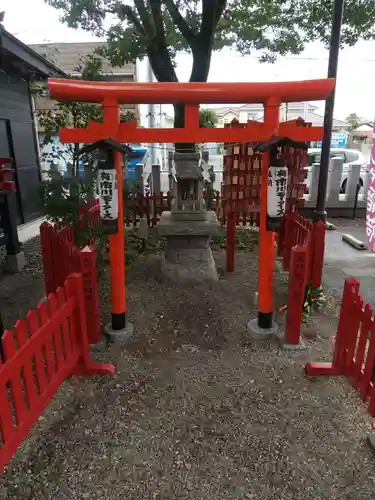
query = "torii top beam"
x=189 y=93
x=111 y=95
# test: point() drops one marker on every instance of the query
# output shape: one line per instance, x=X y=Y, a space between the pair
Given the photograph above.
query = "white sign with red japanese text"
x=370 y=208
x=108 y=194
x=276 y=193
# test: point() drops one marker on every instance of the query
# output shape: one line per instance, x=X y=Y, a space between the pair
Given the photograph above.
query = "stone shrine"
x=188 y=227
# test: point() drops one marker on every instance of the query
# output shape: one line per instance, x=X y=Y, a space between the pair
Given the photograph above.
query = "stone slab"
x=189 y=265
x=188 y=165
x=189 y=215
x=15 y=263
x=168 y=226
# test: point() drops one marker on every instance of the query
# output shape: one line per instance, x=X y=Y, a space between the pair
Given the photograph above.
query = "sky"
x=32 y=21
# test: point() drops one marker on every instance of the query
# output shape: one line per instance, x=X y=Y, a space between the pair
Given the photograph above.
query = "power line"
x=294 y=58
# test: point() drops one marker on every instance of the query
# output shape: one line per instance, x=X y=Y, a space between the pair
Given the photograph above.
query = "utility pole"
x=151 y=115
x=320 y=213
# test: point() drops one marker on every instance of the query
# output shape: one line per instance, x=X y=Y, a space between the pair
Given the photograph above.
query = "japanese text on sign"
x=277 y=190
x=370 y=208
x=108 y=194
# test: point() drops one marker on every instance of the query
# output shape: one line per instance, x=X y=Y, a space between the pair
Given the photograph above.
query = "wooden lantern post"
x=109 y=184
x=273 y=203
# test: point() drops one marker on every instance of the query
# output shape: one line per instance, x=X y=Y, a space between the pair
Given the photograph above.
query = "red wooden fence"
x=90 y=219
x=296 y=230
x=43 y=351
x=61 y=258
x=301 y=247
x=354 y=346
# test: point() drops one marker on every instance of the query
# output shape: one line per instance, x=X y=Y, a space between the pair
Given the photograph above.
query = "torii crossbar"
x=112 y=95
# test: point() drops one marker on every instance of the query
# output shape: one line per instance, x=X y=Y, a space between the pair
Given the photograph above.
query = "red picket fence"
x=354 y=346
x=42 y=352
x=90 y=219
x=296 y=230
x=151 y=206
x=61 y=258
x=301 y=246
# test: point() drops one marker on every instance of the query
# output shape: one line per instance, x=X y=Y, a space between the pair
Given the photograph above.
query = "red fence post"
x=343 y=334
x=296 y=295
x=91 y=294
x=231 y=241
x=345 y=323
x=290 y=219
x=319 y=230
x=85 y=366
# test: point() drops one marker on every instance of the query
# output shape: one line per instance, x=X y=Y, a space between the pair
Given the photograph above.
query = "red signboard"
x=370 y=212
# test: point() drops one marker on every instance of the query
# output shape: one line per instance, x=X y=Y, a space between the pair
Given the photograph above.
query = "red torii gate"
x=111 y=95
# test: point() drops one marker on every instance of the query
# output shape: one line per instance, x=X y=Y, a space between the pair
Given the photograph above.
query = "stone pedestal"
x=188 y=254
x=15 y=263
x=188 y=227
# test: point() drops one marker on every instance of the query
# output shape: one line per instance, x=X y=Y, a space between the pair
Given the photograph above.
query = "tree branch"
x=161 y=64
x=202 y=48
x=126 y=12
x=211 y=14
x=145 y=18
x=155 y=6
x=180 y=22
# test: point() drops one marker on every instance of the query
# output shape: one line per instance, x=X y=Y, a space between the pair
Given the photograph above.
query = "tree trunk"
x=179 y=122
x=164 y=72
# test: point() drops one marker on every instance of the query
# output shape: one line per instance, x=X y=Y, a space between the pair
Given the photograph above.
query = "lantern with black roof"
x=277 y=178
x=107 y=180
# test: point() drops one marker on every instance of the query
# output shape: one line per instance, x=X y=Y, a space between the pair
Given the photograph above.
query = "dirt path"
x=199 y=411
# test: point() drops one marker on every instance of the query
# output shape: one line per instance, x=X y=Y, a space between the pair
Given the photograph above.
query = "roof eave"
x=21 y=51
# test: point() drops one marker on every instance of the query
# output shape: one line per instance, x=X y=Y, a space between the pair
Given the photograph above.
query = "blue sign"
x=137 y=154
x=338 y=140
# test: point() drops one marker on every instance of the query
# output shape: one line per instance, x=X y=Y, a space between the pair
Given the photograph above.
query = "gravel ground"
x=199 y=411
x=21 y=292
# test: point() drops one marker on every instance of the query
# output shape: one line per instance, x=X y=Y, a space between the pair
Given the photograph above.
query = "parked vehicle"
x=350 y=157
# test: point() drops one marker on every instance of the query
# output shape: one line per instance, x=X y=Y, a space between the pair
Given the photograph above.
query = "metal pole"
x=151 y=115
x=320 y=213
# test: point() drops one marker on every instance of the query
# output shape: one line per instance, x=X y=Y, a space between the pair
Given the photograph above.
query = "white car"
x=350 y=157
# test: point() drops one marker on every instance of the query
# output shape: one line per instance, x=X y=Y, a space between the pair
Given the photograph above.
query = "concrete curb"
x=354 y=242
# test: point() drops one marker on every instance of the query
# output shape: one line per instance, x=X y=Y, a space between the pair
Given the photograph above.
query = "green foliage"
x=136 y=246
x=71 y=114
x=65 y=198
x=314 y=299
x=354 y=121
x=160 y=29
x=246 y=239
x=68 y=114
x=207 y=118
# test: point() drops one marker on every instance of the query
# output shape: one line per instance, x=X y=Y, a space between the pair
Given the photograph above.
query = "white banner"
x=108 y=194
x=277 y=191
